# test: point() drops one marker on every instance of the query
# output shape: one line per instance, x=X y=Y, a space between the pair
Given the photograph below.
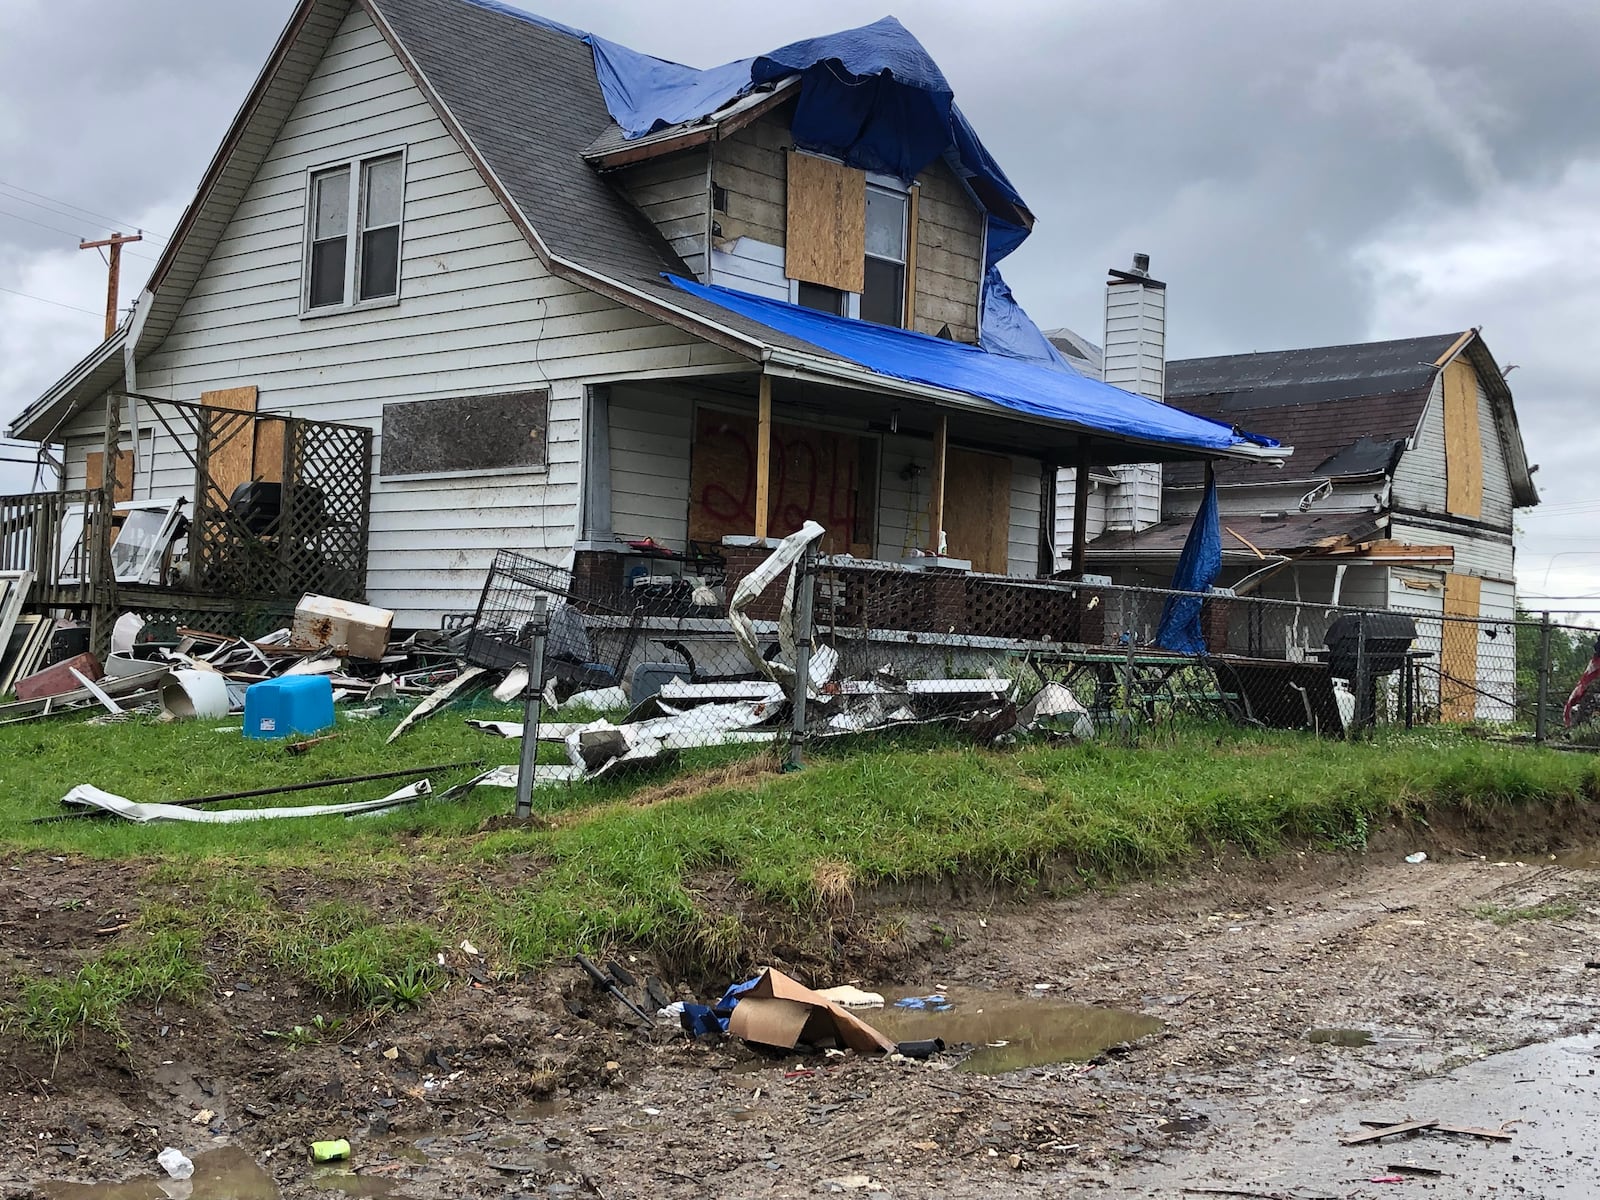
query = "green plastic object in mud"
x=330 y=1151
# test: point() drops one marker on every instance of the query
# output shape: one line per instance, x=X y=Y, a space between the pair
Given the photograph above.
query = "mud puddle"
x=1584 y=858
x=1546 y=1096
x=1010 y=1032
x=225 y=1174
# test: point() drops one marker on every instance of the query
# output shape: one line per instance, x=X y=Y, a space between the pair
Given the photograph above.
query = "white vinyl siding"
x=650 y=438
x=480 y=314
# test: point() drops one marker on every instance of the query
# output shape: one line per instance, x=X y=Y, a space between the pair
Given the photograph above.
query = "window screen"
x=330 y=221
x=823 y=299
x=382 y=195
x=883 y=290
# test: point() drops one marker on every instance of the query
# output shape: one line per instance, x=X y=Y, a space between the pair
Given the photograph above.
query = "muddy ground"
x=502 y=1090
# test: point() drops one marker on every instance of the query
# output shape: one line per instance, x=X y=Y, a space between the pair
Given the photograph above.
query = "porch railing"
x=52 y=534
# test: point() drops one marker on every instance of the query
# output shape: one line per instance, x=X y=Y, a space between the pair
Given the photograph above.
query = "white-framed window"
x=354 y=214
x=883 y=294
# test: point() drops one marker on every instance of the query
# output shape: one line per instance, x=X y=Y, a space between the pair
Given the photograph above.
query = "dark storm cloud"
x=1300 y=173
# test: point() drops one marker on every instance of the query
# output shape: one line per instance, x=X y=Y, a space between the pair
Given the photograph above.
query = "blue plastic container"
x=292 y=704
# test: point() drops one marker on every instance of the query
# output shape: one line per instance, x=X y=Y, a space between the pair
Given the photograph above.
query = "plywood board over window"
x=1458 y=649
x=230 y=455
x=816 y=474
x=1463 y=441
x=977 y=508
x=827 y=223
x=94 y=473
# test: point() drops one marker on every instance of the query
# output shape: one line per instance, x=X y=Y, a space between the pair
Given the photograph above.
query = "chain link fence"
x=635 y=659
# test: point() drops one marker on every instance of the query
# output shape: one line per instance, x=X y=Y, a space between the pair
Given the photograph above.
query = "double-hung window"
x=883 y=294
x=353 y=233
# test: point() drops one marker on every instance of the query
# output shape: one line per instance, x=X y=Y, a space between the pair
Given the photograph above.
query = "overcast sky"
x=1300 y=174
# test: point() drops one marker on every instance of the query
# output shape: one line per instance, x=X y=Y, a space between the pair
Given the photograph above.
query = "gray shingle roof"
x=1344 y=409
x=526 y=96
x=1282 y=377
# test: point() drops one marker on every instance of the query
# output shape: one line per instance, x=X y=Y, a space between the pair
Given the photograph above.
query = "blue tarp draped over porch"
x=1020 y=386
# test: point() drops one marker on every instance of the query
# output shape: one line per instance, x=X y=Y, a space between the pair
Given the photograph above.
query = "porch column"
x=941 y=431
x=1080 y=511
x=763 y=455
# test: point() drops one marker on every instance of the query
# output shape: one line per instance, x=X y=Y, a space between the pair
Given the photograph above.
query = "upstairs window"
x=883 y=292
x=823 y=299
x=353 y=219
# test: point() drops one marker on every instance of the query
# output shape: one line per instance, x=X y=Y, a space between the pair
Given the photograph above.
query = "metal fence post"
x=1362 y=682
x=805 y=587
x=532 y=708
x=1539 y=716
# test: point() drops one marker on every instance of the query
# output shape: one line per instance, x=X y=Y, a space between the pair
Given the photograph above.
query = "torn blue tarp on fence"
x=1198 y=565
x=1014 y=384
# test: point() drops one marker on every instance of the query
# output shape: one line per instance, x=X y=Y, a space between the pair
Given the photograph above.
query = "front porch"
x=196 y=515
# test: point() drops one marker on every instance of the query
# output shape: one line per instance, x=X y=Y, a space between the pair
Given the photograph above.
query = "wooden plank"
x=1373 y=1135
x=1458 y=649
x=763 y=455
x=230 y=457
x=936 y=487
x=913 y=199
x=94 y=469
x=977 y=523
x=1463 y=441
x=827 y=225
x=269 y=451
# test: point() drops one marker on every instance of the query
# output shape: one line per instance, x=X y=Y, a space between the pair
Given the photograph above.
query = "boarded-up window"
x=1458 y=649
x=827 y=235
x=465 y=433
x=231 y=444
x=1463 y=441
x=817 y=474
x=94 y=473
x=977 y=509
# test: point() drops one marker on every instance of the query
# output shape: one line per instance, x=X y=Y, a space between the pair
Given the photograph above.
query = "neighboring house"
x=1407 y=470
x=583 y=298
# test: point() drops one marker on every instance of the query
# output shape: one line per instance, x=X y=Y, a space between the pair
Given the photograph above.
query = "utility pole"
x=116 y=241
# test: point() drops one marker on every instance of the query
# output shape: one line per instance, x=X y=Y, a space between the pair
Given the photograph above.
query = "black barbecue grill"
x=1363 y=646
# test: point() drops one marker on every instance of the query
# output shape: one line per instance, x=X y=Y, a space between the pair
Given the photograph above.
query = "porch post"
x=941 y=432
x=1080 y=511
x=763 y=455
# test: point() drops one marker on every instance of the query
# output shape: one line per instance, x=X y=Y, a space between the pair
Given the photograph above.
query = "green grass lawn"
x=601 y=867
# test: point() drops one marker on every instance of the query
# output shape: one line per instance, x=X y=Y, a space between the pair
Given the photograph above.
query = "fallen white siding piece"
x=89 y=685
x=436 y=701
x=1052 y=701
x=549 y=731
x=724 y=691
x=752 y=585
x=512 y=686
x=88 y=796
x=599 y=699
x=544 y=775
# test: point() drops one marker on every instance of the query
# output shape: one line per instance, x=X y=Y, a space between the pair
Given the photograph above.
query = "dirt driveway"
x=1239 y=960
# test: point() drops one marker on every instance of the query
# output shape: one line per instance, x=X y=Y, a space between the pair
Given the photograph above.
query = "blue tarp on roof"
x=872 y=96
x=1023 y=387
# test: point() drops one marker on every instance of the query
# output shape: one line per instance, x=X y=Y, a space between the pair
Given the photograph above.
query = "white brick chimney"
x=1136 y=361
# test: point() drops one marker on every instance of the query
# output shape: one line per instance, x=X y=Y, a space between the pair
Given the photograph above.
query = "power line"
x=42 y=300
x=89 y=212
x=5 y=212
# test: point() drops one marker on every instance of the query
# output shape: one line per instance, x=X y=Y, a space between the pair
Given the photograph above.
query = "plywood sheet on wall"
x=230 y=456
x=1458 y=649
x=827 y=223
x=1463 y=441
x=977 y=508
x=816 y=474
x=269 y=450
x=94 y=473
